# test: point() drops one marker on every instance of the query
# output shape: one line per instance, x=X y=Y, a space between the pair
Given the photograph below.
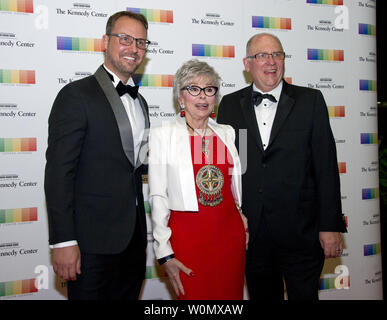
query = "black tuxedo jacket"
x=295 y=182
x=91 y=180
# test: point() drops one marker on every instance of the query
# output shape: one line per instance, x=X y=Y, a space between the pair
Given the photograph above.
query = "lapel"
x=250 y=117
x=144 y=142
x=284 y=107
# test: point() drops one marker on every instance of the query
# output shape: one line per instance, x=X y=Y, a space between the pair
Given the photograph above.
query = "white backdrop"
x=35 y=64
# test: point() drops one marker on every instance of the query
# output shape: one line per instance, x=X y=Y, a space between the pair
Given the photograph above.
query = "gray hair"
x=260 y=35
x=191 y=70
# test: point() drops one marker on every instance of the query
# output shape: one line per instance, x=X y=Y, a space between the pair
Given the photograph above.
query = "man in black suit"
x=97 y=227
x=291 y=186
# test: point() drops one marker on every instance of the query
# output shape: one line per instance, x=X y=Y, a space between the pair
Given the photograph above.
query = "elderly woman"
x=200 y=235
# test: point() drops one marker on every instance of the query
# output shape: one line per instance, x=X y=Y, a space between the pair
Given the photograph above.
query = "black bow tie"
x=122 y=89
x=258 y=97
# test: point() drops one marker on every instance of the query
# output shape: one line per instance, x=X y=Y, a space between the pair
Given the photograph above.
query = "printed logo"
x=82 y=10
x=326 y=83
x=154 y=48
x=18 y=215
x=367 y=85
x=17 y=144
x=208 y=50
x=154 y=15
x=324 y=25
x=326 y=2
x=367 y=29
x=153 y=80
x=369 y=4
x=17 y=76
x=336 y=111
x=339 y=280
x=12 y=181
x=26 y=6
x=79 y=44
x=17 y=287
x=372 y=249
x=368 y=138
x=271 y=23
x=325 y=54
x=213 y=19
x=370 y=193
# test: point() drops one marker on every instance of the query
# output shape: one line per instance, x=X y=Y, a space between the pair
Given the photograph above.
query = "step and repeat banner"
x=45 y=44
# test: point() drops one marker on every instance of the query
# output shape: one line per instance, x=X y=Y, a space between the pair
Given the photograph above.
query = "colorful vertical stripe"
x=369 y=193
x=271 y=23
x=26 y=6
x=368 y=138
x=368 y=29
x=209 y=50
x=154 y=15
x=329 y=2
x=372 y=249
x=367 y=85
x=79 y=44
x=330 y=282
x=147 y=207
x=336 y=111
x=18 y=215
x=17 y=76
x=153 y=80
x=11 y=288
x=326 y=54
x=153 y=272
x=342 y=167
x=17 y=144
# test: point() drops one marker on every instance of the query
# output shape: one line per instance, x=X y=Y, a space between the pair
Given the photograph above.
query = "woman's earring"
x=212 y=115
x=182 y=112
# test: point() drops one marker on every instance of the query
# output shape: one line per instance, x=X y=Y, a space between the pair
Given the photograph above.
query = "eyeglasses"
x=127 y=40
x=261 y=56
x=209 y=91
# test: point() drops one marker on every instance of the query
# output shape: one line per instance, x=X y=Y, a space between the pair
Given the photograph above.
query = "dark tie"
x=258 y=97
x=122 y=89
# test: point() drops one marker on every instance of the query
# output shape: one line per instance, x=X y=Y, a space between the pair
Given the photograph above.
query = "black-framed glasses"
x=262 y=56
x=209 y=91
x=127 y=40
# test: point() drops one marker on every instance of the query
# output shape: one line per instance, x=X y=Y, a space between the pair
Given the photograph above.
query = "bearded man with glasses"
x=291 y=186
x=93 y=185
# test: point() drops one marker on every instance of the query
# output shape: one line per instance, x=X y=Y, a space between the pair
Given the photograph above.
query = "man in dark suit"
x=291 y=186
x=97 y=227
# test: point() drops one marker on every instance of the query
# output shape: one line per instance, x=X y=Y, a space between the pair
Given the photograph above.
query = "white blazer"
x=171 y=177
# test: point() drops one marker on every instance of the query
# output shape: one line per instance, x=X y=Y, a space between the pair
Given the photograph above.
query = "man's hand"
x=67 y=262
x=332 y=243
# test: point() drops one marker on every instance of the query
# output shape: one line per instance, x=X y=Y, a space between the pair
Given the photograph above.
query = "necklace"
x=209 y=178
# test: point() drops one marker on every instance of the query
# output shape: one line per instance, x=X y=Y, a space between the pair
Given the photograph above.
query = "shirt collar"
x=276 y=92
x=116 y=79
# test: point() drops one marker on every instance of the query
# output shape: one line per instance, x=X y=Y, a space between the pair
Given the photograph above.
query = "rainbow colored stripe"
x=17 y=76
x=329 y=2
x=154 y=15
x=368 y=29
x=153 y=272
x=11 y=288
x=18 y=215
x=336 y=111
x=271 y=23
x=326 y=54
x=26 y=6
x=153 y=80
x=367 y=85
x=147 y=207
x=209 y=50
x=329 y=283
x=369 y=193
x=17 y=144
x=79 y=44
x=372 y=249
x=342 y=167
x=368 y=138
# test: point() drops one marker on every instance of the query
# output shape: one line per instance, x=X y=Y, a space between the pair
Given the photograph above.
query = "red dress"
x=211 y=242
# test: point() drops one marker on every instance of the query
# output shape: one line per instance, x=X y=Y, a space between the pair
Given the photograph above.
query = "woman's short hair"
x=191 y=70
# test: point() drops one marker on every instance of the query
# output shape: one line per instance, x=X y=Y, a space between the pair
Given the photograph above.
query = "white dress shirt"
x=265 y=113
x=137 y=122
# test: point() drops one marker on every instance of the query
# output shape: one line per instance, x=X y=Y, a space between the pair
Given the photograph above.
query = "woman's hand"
x=173 y=268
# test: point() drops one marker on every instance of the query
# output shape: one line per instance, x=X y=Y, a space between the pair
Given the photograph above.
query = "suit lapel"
x=119 y=113
x=285 y=105
x=144 y=142
x=250 y=117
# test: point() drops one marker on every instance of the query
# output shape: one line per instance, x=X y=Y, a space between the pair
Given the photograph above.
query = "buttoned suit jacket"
x=91 y=181
x=294 y=183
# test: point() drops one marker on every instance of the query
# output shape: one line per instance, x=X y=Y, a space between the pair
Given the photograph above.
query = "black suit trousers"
x=112 y=276
x=268 y=266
